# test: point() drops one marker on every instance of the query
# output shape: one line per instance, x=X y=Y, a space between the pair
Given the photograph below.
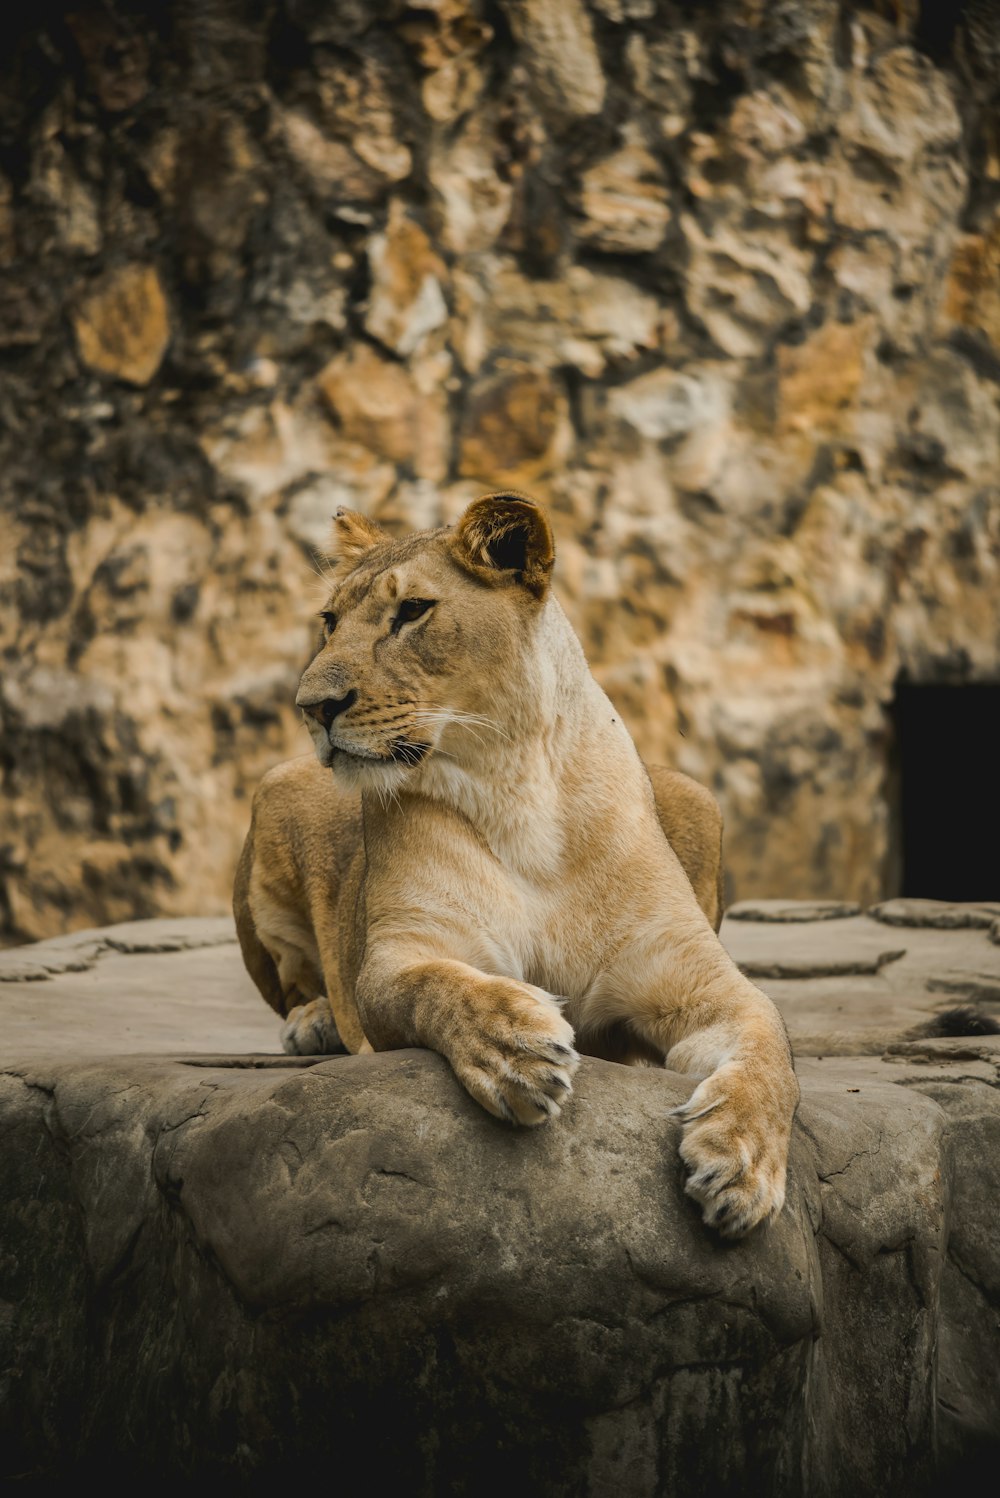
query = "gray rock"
x=786 y=912
x=842 y=991
x=78 y=951
x=149 y=986
x=287 y=1254
x=972 y=988
x=829 y=967
x=944 y=914
x=356 y=1235
x=851 y=945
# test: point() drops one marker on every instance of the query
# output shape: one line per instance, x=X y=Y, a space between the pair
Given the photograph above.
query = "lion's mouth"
x=401 y=752
x=408 y=752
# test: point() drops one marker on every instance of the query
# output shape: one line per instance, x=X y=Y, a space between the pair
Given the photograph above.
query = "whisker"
x=446 y=720
x=476 y=736
x=467 y=720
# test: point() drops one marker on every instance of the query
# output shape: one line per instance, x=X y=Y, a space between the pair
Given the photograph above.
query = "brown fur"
x=490 y=872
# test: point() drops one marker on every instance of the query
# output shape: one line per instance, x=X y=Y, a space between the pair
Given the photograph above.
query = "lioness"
x=486 y=872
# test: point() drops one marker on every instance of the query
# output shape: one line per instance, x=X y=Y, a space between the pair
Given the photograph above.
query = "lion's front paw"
x=518 y=1060
x=310 y=1030
x=735 y=1149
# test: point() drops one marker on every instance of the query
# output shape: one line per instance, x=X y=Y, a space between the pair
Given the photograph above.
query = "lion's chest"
x=559 y=929
x=537 y=890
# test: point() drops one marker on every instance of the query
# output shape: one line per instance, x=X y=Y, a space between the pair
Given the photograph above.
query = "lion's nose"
x=331 y=707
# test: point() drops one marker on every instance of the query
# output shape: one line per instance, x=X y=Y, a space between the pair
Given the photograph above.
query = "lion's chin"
x=364 y=773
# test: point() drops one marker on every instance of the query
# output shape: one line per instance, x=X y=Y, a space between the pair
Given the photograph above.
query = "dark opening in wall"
x=945 y=792
x=936 y=25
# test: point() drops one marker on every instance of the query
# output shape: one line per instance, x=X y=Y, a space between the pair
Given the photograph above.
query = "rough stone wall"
x=720 y=283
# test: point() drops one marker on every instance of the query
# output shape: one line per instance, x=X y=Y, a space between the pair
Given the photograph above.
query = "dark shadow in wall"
x=936 y=27
x=944 y=788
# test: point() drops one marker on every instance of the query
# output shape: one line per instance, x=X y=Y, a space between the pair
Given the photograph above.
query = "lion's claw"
x=735 y=1153
x=519 y=1065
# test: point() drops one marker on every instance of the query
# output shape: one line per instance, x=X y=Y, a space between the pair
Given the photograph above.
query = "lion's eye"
x=410 y=609
x=329 y=621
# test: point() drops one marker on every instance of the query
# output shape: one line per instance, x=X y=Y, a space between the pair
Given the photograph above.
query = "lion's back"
x=692 y=824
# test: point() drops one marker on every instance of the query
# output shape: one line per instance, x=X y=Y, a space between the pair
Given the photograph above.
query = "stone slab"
x=792 y=912
x=179 y=985
x=850 y=946
x=146 y=986
x=942 y=913
x=855 y=984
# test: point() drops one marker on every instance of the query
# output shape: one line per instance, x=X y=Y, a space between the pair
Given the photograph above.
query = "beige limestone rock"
x=406 y=301
x=900 y=107
x=355 y=479
x=972 y=291
x=682 y=422
x=819 y=380
x=332 y=168
x=626 y=10
x=660 y=69
x=473 y=202
x=381 y=407
x=744 y=288
x=267 y=447
x=448 y=36
x=343 y=137
x=765 y=123
x=514 y=427
x=559 y=51
x=667 y=404
x=623 y=203
x=356 y=99
x=769 y=443
x=72 y=203
x=123 y=326
x=583 y=319
x=954 y=414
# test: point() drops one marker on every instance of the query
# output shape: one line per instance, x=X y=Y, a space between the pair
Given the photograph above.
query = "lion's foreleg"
x=709 y=1021
x=506 y=1041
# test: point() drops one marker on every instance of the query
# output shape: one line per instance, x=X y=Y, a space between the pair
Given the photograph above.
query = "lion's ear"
x=353 y=535
x=504 y=538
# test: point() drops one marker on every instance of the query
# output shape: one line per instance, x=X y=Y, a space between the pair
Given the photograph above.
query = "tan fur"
x=485 y=873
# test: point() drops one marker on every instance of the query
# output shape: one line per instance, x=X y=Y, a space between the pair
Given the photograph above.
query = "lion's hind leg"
x=311 y=1030
x=280 y=954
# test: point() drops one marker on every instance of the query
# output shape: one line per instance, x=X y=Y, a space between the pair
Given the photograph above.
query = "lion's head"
x=422 y=636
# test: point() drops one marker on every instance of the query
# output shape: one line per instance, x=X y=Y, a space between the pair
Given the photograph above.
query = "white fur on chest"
x=559 y=760
x=533 y=918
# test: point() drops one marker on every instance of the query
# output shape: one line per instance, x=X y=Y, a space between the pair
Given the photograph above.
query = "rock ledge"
x=234 y=1264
